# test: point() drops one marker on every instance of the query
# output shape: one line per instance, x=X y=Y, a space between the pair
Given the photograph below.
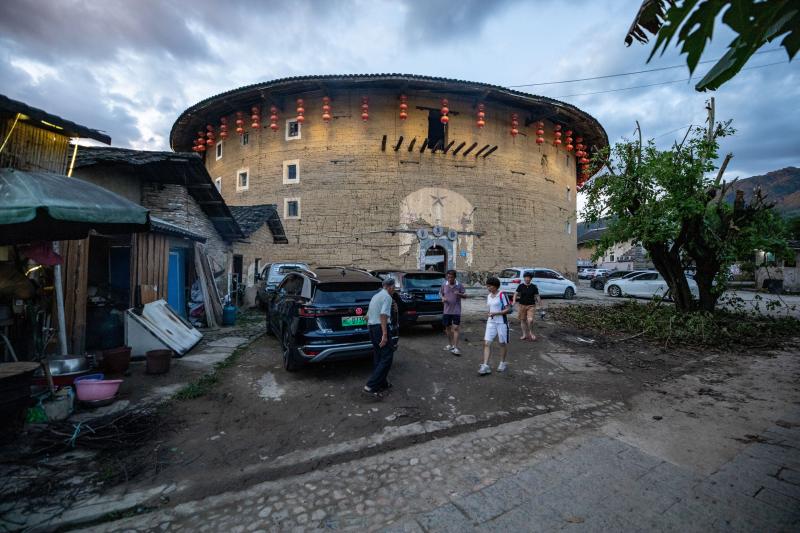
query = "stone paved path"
x=515 y=477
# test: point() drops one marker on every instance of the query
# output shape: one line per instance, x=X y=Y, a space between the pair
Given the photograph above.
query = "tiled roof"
x=183 y=131
x=251 y=217
x=178 y=168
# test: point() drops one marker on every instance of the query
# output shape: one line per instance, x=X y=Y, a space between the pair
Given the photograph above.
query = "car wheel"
x=569 y=293
x=614 y=291
x=289 y=352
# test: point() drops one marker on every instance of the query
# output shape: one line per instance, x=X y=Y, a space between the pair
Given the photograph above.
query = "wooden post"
x=449 y=145
x=471 y=148
x=383 y=144
x=424 y=145
x=487 y=154
x=411 y=144
x=399 y=143
x=479 y=152
x=459 y=147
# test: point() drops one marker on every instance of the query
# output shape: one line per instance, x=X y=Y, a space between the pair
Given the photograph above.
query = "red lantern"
x=403 y=107
x=481 y=115
x=364 y=108
x=584 y=161
x=273 y=118
x=255 y=117
x=223 y=128
x=326 y=109
x=300 y=111
x=540 y=132
x=444 y=111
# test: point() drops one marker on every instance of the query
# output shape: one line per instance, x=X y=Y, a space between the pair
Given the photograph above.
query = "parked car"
x=321 y=315
x=585 y=272
x=645 y=285
x=270 y=276
x=598 y=282
x=418 y=298
x=549 y=282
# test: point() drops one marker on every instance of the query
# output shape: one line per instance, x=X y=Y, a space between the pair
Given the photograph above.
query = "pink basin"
x=97 y=389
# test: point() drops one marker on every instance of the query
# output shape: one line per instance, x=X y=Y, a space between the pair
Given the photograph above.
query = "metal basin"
x=67 y=364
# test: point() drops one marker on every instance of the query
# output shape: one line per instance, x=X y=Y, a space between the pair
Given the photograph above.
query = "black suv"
x=321 y=315
x=418 y=299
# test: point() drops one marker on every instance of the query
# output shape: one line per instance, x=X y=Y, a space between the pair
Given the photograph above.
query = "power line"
x=656 y=84
x=658 y=69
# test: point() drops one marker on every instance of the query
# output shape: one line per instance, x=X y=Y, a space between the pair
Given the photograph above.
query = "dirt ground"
x=258 y=413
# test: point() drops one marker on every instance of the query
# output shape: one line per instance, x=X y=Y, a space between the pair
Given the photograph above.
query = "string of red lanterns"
x=255 y=117
x=557 y=135
x=481 y=115
x=210 y=137
x=514 y=124
x=273 y=118
x=403 y=107
x=200 y=142
x=326 y=109
x=223 y=128
x=540 y=132
x=569 y=146
x=444 y=119
x=364 y=108
x=240 y=123
x=300 y=111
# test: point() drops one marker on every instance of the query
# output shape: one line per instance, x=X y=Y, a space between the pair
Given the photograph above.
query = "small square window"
x=218 y=184
x=293 y=129
x=245 y=138
x=291 y=208
x=291 y=171
x=568 y=228
x=243 y=179
x=569 y=194
x=219 y=150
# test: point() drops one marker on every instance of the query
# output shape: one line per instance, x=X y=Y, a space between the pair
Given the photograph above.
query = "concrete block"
x=528 y=517
x=492 y=501
x=444 y=519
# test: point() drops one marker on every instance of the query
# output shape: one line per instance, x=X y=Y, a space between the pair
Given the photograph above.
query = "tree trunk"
x=668 y=263
x=706 y=272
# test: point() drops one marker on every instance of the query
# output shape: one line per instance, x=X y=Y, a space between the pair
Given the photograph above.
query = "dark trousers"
x=381 y=359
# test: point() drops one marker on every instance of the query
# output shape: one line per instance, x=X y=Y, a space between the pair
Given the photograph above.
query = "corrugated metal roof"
x=209 y=110
x=56 y=123
x=180 y=168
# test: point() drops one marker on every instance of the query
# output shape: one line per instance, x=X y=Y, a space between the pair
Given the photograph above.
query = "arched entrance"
x=436 y=258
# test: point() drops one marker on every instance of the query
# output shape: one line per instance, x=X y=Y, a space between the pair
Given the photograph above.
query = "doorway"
x=436 y=259
x=176 y=281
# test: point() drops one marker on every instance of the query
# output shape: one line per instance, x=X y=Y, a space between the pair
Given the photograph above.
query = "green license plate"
x=354 y=321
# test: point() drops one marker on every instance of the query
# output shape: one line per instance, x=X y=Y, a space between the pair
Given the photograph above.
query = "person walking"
x=452 y=292
x=379 y=317
x=527 y=296
x=496 y=326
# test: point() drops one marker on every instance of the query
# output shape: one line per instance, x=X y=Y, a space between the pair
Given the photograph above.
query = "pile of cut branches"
x=664 y=324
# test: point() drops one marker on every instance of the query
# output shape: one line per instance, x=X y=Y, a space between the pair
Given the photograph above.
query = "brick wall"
x=351 y=191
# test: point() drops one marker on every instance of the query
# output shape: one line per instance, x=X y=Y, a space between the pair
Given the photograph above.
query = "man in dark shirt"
x=527 y=296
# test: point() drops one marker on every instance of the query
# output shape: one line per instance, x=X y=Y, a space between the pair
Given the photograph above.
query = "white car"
x=549 y=282
x=645 y=285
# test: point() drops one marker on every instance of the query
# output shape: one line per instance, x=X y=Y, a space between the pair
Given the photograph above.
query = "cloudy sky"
x=130 y=67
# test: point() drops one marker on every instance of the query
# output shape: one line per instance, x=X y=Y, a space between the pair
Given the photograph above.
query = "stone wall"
x=521 y=198
x=174 y=204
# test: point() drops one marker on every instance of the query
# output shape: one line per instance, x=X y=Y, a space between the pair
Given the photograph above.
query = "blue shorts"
x=451 y=320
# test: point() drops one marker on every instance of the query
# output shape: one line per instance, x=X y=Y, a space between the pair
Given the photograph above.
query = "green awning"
x=38 y=206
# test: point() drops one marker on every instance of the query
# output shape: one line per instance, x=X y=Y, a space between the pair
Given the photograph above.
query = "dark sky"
x=130 y=67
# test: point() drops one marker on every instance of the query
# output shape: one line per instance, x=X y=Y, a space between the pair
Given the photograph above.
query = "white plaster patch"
x=268 y=388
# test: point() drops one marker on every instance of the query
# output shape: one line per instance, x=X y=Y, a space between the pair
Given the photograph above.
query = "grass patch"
x=203 y=386
x=664 y=324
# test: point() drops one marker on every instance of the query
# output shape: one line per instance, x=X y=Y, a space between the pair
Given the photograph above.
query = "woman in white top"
x=496 y=326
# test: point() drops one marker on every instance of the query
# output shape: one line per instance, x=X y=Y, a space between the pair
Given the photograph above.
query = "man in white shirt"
x=496 y=326
x=379 y=315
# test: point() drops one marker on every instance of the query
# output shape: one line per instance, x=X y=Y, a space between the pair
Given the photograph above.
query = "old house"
x=399 y=170
x=622 y=256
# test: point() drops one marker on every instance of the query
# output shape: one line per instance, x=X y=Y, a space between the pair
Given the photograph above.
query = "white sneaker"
x=484 y=370
x=455 y=351
x=502 y=366
x=448 y=348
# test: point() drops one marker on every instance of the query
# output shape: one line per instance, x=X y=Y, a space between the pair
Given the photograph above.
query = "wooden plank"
x=471 y=148
x=411 y=144
x=490 y=152
x=383 y=144
x=479 y=152
x=447 y=148
x=424 y=145
x=438 y=145
x=399 y=143
x=459 y=147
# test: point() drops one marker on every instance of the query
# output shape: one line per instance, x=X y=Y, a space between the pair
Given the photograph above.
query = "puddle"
x=268 y=388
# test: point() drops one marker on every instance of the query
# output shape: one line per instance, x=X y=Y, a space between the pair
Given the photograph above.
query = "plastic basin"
x=91 y=390
x=99 y=376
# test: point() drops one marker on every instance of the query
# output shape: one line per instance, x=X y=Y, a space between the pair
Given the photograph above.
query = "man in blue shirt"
x=379 y=315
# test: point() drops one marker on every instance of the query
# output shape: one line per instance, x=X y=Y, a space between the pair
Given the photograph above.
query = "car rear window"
x=345 y=293
x=289 y=268
x=509 y=273
x=423 y=281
